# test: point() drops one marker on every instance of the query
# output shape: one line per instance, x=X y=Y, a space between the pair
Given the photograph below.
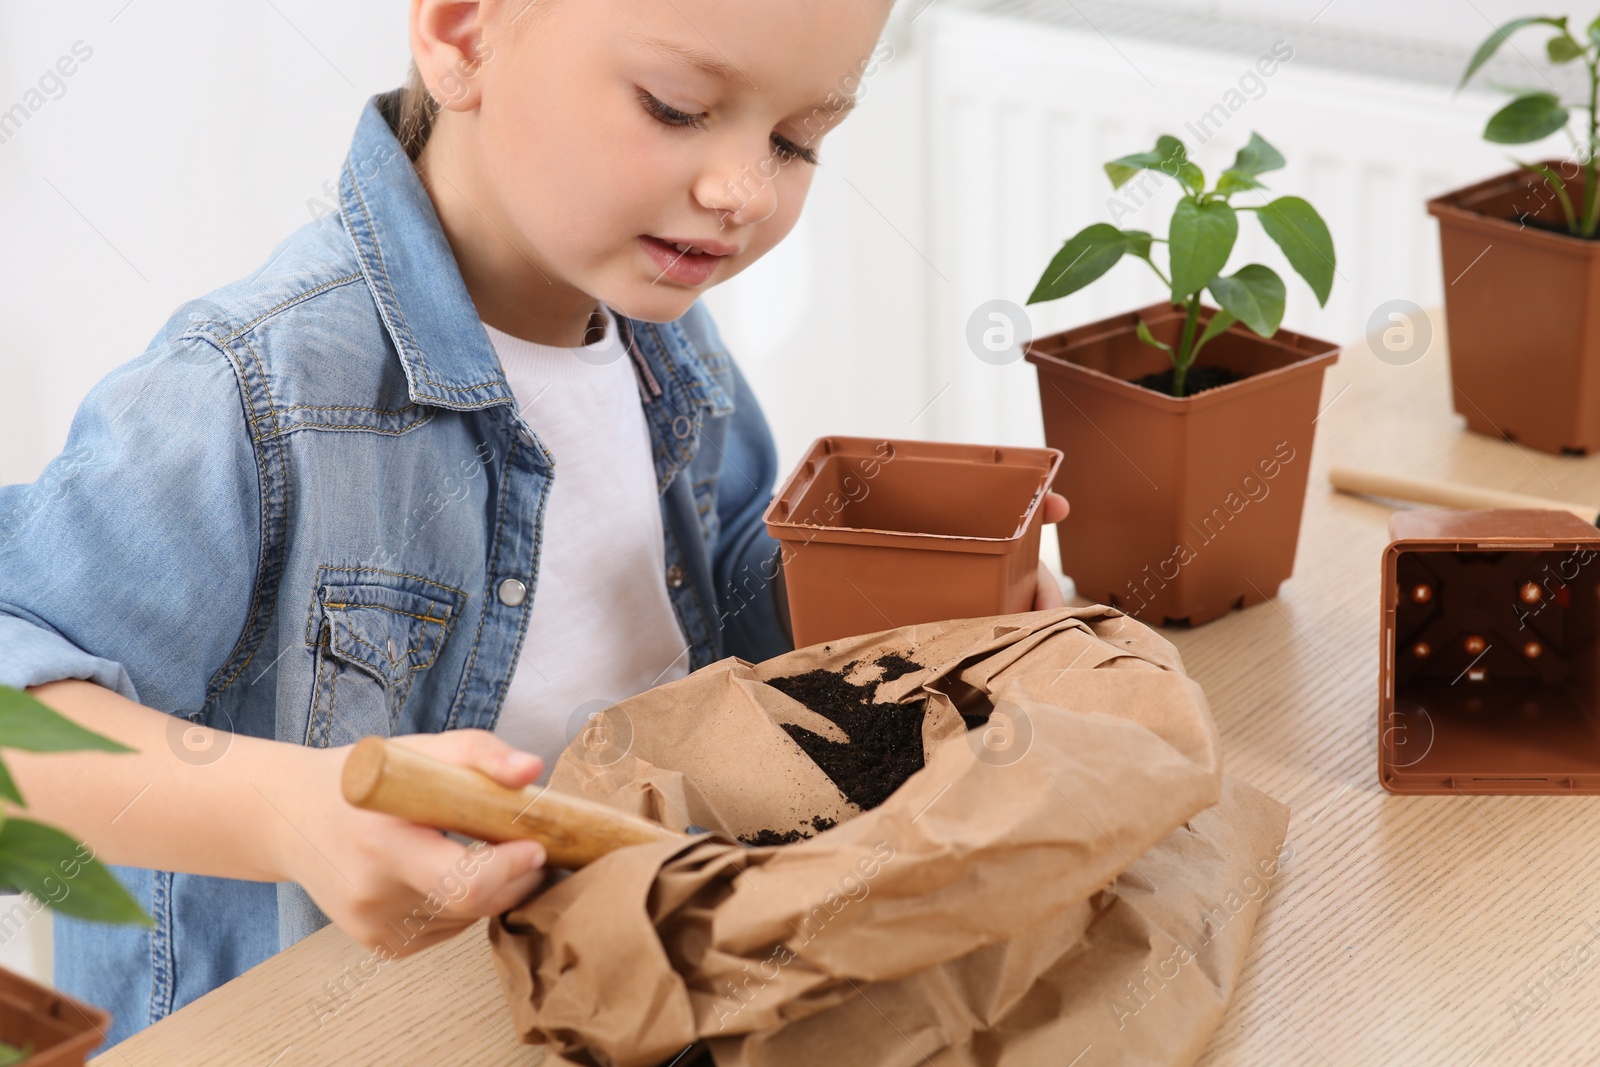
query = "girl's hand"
x=1048 y=596
x=393 y=884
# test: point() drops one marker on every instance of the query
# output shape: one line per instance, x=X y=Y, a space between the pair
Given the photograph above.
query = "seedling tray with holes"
x=1490 y=657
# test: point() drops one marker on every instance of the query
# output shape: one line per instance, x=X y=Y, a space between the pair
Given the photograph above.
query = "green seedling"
x=1199 y=241
x=1533 y=116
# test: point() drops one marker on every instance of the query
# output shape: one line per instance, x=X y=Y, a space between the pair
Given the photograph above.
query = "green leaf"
x=11 y=1055
x=1257 y=157
x=1553 y=180
x=1234 y=181
x=45 y=862
x=8 y=788
x=1594 y=31
x=1492 y=45
x=1219 y=323
x=1200 y=241
x=1169 y=157
x=1254 y=296
x=1149 y=338
x=1086 y=256
x=28 y=724
x=1138 y=243
x=1530 y=117
x=1297 y=229
x=1563 y=49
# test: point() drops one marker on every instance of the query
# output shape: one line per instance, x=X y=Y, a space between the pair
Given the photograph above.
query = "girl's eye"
x=668 y=114
x=786 y=149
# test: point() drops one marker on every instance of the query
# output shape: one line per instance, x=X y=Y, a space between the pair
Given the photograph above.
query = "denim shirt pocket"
x=374 y=633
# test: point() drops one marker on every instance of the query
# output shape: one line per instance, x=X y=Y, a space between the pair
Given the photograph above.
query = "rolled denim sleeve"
x=131 y=561
x=745 y=565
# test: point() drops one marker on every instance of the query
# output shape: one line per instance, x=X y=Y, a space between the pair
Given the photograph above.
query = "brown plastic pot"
x=877 y=534
x=1182 y=508
x=61 y=1029
x=1489 y=654
x=1522 y=303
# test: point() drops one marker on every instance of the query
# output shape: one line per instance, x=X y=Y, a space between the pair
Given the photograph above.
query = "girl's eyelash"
x=671 y=116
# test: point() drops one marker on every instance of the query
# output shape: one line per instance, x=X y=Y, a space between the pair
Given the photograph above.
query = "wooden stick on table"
x=1446 y=494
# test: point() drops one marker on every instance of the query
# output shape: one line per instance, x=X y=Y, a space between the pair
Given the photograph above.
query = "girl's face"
x=608 y=135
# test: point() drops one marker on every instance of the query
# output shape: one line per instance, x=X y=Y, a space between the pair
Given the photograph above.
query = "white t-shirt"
x=601 y=627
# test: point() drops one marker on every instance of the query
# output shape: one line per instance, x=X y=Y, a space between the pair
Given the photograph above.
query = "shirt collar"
x=424 y=303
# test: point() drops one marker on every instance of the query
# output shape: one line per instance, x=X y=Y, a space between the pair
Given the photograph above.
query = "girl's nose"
x=745 y=191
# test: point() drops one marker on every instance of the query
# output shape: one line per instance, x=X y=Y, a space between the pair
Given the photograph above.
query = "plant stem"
x=1591 y=202
x=1182 y=357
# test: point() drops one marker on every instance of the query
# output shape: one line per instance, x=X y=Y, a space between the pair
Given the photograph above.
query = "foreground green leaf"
x=1086 y=256
x=1200 y=240
x=8 y=788
x=30 y=725
x=45 y=862
x=1255 y=296
x=1530 y=117
x=1299 y=231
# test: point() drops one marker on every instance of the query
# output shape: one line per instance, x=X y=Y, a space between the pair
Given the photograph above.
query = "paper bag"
x=1048 y=879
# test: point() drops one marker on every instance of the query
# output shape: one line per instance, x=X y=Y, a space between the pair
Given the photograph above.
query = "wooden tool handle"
x=380 y=775
x=1445 y=494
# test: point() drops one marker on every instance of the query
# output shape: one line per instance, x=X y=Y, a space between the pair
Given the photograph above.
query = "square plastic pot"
x=62 y=1029
x=1522 y=303
x=877 y=534
x=1182 y=508
x=1489 y=662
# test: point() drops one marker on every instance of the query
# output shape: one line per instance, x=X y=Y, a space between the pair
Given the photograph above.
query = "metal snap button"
x=512 y=592
x=675 y=576
x=394 y=654
x=525 y=435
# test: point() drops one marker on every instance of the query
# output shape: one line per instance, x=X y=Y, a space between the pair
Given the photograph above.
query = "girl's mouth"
x=682 y=262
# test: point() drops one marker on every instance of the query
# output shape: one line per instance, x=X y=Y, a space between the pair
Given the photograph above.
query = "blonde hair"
x=417 y=109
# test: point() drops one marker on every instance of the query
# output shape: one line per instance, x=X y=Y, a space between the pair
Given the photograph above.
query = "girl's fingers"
x=1055 y=507
x=1048 y=597
x=457 y=882
x=482 y=751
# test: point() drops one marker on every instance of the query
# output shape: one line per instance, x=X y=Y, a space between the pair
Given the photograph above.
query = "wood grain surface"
x=1421 y=930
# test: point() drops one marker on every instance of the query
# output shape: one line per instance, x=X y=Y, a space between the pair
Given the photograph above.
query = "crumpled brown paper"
x=1076 y=876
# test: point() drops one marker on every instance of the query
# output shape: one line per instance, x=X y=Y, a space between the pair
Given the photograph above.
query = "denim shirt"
x=311 y=511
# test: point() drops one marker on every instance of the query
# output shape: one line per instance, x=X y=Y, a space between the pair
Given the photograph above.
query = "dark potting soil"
x=895 y=666
x=885 y=746
x=788 y=837
x=1198 y=380
x=763 y=838
x=1551 y=226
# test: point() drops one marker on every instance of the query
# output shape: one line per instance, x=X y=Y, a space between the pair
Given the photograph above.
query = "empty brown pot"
x=1490 y=654
x=61 y=1029
x=1522 y=302
x=877 y=534
x=1182 y=508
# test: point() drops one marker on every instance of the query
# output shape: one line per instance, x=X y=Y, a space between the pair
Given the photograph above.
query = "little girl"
x=461 y=464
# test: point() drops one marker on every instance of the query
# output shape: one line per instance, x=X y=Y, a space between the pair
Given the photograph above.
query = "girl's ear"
x=450 y=45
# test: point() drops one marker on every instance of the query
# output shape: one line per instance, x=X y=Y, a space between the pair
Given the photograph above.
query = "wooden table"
x=1404 y=930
